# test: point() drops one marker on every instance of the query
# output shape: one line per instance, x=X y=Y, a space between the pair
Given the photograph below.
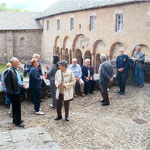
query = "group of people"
x=64 y=79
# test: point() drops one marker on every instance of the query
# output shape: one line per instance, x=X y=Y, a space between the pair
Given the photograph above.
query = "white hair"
x=138 y=47
x=103 y=57
x=13 y=60
x=121 y=49
x=87 y=60
x=36 y=55
x=74 y=60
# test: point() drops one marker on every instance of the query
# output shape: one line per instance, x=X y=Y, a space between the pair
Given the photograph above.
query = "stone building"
x=88 y=28
x=77 y=28
x=20 y=35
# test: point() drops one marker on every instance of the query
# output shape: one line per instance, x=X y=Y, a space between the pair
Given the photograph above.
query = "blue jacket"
x=85 y=72
x=34 y=79
x=123 y=62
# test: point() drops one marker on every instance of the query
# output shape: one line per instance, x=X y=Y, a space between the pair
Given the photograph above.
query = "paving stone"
x=31 y=138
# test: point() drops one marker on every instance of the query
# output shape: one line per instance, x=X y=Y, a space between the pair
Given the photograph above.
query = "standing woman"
x=64 y=81
x=51 y=76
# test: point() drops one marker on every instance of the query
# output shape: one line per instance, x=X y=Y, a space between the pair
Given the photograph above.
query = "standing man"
x=122 y=66
x=13 y=83
x=105 y=76
x=35 y=80
x=88 y=77
x=139 y=58
x=76 y=69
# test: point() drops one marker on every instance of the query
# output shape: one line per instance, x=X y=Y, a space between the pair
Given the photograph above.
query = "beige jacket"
x=69 y=81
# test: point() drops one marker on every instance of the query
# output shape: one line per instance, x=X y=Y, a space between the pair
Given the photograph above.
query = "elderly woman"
x=64 y=81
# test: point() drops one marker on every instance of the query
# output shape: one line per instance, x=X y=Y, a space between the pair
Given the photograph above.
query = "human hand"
x=87 y=78
x=47 y=67
x=111 y=80
x=64 y=86
x=23 y=86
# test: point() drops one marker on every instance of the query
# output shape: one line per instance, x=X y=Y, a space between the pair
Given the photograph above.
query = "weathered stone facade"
x=21 y=44
x=81 y=42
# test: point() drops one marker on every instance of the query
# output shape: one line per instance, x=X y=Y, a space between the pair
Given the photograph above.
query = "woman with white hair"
x=88 y=77
x=64 y=80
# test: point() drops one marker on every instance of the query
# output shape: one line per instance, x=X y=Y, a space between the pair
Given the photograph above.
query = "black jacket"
x=34 y=79
x=11 y=81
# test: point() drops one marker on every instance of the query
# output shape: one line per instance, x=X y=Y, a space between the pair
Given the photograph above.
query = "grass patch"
x=2 y=68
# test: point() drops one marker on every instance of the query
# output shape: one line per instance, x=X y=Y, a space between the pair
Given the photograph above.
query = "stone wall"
x=3 y=51
x=21 y=44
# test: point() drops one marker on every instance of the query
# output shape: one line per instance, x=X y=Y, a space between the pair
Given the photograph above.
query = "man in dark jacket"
x=35 y=80
x=122 y=66
x=13 y=83
x=105 y=76
x=88 y=77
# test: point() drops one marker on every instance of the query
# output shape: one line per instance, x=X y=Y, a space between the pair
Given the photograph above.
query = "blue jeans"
x=7 y=100
x=139 y=75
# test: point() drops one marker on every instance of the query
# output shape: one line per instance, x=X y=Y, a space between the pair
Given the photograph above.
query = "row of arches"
x=80 y=49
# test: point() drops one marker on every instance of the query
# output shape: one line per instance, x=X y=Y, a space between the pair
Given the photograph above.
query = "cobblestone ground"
x=118 y=126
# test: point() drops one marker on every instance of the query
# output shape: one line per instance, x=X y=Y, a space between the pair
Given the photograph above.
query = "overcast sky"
x=30 y=5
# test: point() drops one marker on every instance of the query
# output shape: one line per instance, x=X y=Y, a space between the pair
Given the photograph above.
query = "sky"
x=30 y=5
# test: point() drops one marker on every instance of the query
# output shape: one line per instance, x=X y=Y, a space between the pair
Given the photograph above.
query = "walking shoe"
x=21 y=125
x=121 y=93
x=105 y=104
x=39 y=113
x=75 y=95
x=91 y=92
x=67 y=118
x=82 y=94
x=102 y=101
x=39 y=109
x=140 y=86
x=51 y=105
x=58 y=118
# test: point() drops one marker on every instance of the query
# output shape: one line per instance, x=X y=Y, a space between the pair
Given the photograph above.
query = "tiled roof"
x=65 y=6
x=19 y=21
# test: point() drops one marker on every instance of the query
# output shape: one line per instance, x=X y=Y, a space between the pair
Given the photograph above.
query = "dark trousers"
x=89 y=85
x=59 y=105
x=53 y=92
x=122 y=77
x=104 y=92
x=36 y=93
x=16 y=108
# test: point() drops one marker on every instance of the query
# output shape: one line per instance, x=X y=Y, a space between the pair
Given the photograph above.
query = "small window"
x=71 y=24
x=22 y=42
x=47 y=25
x=119 y=22
x=92 y=25
x=80 y=26
x=58 y=24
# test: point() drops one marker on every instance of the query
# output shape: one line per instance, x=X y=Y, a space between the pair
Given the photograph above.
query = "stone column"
x=94 y=61
x=9 y=43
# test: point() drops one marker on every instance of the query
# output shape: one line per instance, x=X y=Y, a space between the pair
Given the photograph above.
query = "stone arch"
x=145 y=49
x=66 y=47
x=99 y=47
x=114 y=50
x=88 y=55
x=78 y=55
x=80 y=42
x=98 y=62
x=57 y=45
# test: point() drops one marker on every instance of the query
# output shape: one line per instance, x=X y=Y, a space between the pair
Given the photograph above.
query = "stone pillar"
x=9 y=43
x=94 y=61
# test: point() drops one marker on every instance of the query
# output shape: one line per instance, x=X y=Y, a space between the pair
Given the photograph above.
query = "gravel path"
x=93 y=126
